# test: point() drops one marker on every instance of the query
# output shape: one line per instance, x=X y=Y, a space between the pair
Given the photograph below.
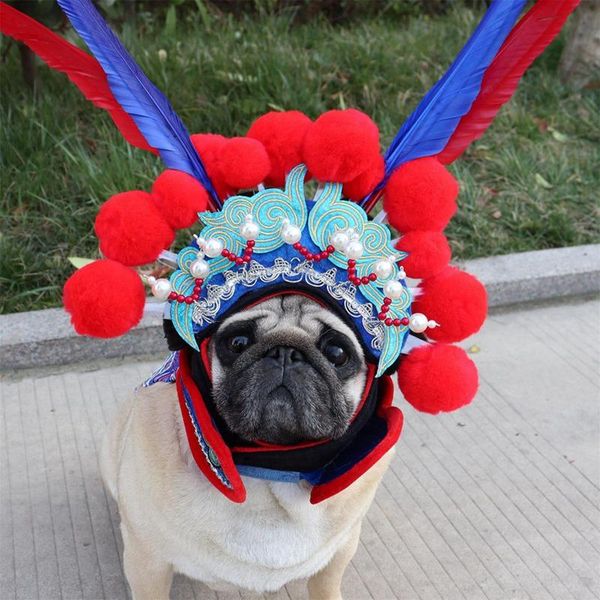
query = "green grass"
x=532 y=182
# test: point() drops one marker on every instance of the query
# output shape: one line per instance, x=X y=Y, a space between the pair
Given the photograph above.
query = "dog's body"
x=174 y=520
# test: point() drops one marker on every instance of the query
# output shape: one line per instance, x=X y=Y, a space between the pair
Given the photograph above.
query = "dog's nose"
x=286 y=356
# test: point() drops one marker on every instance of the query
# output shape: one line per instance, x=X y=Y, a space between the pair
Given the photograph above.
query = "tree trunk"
x=580 y=60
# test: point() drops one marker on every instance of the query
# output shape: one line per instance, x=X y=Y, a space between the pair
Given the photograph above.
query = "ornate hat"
x=299 y=206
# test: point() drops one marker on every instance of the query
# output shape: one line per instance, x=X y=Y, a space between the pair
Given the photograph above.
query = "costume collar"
x=329 y=466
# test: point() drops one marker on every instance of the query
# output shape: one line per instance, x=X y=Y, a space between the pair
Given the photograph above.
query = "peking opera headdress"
x=260 y=232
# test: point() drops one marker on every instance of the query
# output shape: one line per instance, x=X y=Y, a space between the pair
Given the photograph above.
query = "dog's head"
x=285 y=371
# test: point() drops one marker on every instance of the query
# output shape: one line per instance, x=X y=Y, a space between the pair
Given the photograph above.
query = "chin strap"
x=328 y=465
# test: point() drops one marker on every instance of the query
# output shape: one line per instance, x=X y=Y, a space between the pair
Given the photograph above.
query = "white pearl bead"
x=199 y=269
x=393 y=289
x=383 y=269
x=418 y=322
x=354 y=250
x=432 y=324
x=161 y=288
x=291 y=234
x=213 y=247
x=250 y=230
x=339 y=240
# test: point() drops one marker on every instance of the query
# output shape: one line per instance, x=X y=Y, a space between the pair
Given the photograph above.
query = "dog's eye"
x=335 y=354
x=239 y=342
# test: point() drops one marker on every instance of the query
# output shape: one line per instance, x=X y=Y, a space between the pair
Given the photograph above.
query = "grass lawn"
x=532 y=182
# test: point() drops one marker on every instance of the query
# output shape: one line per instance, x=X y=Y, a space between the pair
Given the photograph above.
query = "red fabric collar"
x=216 y=460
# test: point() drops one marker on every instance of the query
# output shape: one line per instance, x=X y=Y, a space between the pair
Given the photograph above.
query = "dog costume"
x=287 y=209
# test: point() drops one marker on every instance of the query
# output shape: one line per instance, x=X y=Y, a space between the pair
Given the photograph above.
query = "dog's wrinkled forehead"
x=295 y=313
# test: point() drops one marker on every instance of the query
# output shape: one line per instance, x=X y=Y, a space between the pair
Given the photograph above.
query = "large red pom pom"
x=340 y=145
x=105 y=299
x=420 y=194
x=365 y=183
x=282 y=134
x=244 y=162
x=179 y=198
x=456 y=300
x=429 y=252
x=208 y=146
x=438 y=378
x=131 y=229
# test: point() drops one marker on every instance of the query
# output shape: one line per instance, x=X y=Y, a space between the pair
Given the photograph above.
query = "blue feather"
x=139 y=97
x=428 y=128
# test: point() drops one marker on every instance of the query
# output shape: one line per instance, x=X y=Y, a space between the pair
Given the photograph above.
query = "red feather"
x=81 y=68
x=524 y=44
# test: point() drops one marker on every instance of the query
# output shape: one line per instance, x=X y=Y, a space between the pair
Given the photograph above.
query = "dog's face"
x=286 y=370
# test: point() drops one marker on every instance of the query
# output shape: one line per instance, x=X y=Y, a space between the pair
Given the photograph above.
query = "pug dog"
x=285 y=370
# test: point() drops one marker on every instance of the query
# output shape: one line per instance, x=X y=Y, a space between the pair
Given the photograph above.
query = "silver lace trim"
x=294 y=271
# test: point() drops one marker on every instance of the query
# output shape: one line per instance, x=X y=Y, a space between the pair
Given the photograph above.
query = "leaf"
x=543 y=182
x=78 y=262
x=171 y=21
x=558 y=136
x=204 y=14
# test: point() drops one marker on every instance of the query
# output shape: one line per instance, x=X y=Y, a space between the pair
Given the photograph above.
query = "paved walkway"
x=498 y=501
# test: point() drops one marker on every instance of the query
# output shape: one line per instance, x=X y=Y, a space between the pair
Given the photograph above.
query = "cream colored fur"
x=174 y=520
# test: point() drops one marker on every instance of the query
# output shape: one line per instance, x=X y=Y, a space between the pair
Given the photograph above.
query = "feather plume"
x=428 y=128
x=524 y=44
x=138 y=96
x=81 y=68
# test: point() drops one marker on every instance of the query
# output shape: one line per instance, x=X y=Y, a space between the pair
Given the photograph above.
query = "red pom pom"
x=456 y=300
x=179 y=198
x=244 y=162
x=105 y=299
x=282 y=134
x=340 y=145
x=365 y=183
x=208 y=146
x=131 y=229
x=438 y=378
x=429 y=252
x=420 y=194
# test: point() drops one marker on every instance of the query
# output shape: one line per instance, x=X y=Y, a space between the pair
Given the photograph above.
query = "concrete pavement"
x=497 y=501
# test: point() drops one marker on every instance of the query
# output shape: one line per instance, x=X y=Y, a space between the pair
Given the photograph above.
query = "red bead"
x=231 y=257
x=247 y=259
x=388 y=321
x=387 y=300
x=365 y=280
x=199 y=281
x=382 y=316
x=351 y=271
x=405 y=321
x=324 y=255
x=351 y=263
x=188 y=300
x=195 y=297
x=180 y=298
x=330 y=249
x=297 y=246
x=309 y=256
x=385 y=308
x=397 y=322
x=355 y=280
x=225 y=252
x=373 y=276
x=239 y=261
x=303 y=251
x=251 y=243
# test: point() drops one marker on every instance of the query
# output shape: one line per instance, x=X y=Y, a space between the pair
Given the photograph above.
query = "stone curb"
x=45 y=337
